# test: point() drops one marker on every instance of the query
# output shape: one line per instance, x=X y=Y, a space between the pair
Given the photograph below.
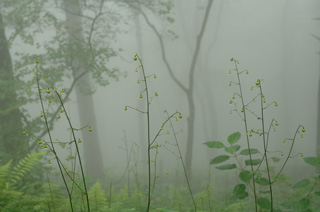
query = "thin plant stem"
x=148 y=129
x=293 y=140
x=183 y=165
x=50 y=137
x=265 y=146
x=247 y=137
x=78 y=152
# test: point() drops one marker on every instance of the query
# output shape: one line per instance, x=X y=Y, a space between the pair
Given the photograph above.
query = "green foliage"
x=23 y=167
x=12 y=176
x=258 y=175
x=313 y=161
x=97 y=197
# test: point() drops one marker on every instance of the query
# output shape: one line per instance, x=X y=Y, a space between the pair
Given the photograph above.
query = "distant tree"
x=17 y=20
x=164 y=13
x=318 y=115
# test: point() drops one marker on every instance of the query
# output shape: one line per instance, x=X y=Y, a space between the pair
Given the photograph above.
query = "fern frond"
x=4 y=173
x=23 y=167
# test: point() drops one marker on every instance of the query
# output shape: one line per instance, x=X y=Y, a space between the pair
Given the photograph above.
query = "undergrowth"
x=261 y=185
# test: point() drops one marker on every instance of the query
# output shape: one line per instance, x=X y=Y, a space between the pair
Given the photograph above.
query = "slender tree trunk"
x=12 y=143
x=92 y=152
x=190 y=90
x=318 y=121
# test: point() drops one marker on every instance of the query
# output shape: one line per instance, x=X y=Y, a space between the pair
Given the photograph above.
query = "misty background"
x=277 y=41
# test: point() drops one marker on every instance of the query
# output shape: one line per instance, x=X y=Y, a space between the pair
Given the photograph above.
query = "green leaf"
x=254 y=162
x=264 y=203
x=239 y=191
x=214 y=144
x=245 y=176
x=232 y=149
x=313 y=161
x=302 y=183
x=262 y=181
x=317 y=193
x=246 y=152
x=304 y=204
x=226 y=167
x=219 y=159
x=275 y=159
x=234 y=138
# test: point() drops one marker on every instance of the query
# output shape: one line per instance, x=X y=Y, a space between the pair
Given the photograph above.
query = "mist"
x=97 y=128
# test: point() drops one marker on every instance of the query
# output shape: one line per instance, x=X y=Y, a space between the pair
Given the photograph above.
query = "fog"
x=276 y=41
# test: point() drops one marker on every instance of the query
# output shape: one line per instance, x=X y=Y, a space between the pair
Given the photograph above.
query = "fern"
x=23 y=167
x=97 y=196
x=4 y=172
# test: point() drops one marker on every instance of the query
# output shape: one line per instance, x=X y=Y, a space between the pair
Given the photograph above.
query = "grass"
x=261 y=183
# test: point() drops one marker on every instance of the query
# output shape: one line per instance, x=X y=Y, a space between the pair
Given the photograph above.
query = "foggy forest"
x=159 y=105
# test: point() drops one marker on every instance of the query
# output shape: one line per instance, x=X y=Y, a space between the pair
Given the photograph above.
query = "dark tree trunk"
x=13 y=145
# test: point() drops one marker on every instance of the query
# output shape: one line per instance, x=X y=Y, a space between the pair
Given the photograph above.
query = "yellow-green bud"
x=156 y=94
x=39 y=142
x=79 y=141
x=37 y=61
x=90 y=129
x=276 y=124
x=125 y=108
x=258 y=82
x=48 y=91
x=135 y=58
x=180 y=116
x=303 y=130
x=231 y=59
x=276 y=104
x=49 y=162
x=24 y=132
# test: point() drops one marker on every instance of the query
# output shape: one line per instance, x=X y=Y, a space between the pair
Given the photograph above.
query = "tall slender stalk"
x=78 y=152
x=265 y=144
x=183 y=165
x=50 y=137
x=247 y=136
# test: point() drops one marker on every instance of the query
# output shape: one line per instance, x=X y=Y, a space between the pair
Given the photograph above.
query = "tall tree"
x=13 y=145
x=17 y=20
x=80 y=67
x=188 y=90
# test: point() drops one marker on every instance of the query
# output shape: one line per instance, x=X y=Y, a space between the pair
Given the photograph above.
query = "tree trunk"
x=92 y=153
x=318 y=122
x=12 y=143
